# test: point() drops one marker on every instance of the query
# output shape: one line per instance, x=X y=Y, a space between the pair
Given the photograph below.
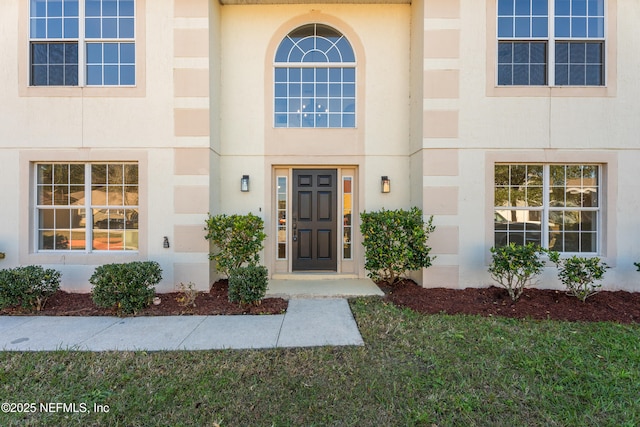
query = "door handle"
x=294 y=226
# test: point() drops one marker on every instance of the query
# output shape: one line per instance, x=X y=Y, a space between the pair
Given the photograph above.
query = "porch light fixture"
x=165 y=242
x=385 y=185
x=244 y=183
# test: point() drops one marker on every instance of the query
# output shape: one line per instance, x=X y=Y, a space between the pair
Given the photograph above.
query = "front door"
x=314 y=216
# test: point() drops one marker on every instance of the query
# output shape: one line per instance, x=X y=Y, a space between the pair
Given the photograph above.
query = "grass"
x=435 y=370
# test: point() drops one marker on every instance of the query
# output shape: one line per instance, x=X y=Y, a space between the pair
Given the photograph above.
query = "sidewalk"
x=307 y=323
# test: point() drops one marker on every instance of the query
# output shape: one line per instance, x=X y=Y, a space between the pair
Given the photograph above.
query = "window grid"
x=109 y=19
x=87 y=207
x=98 y=39
x=54 y=19
x=110 y=64
x=281 y=214
x=54 y=64
x=554 y=206
x=522 y=63
x=314 y=80
x=573 y=32
x=315 y=97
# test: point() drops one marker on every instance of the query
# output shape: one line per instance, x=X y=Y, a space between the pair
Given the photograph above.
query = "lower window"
x=556 y=206
x=86 y=207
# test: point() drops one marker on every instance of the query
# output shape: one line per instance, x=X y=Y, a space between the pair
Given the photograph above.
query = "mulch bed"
x=618 y=306
x=215 y=302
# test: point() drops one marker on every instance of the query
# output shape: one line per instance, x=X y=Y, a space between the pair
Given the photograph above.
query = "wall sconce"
x=165 y=242
x=244 y=183
x=385 y=185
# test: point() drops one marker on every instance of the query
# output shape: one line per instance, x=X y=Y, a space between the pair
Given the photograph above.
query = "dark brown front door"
x=314 y=219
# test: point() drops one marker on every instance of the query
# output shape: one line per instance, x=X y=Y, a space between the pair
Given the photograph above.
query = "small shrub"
x=513 y=266
x=637 y=264
x=10 y=289
x=29 y=286
x=125 y=287
x=395 y=242
x=187 y=295
x=579 y=274
x=237 y=239
x=248 y=285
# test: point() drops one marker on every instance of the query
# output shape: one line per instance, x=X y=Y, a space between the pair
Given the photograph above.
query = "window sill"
x=551 y=91
x=83 y=91
x=84 y=258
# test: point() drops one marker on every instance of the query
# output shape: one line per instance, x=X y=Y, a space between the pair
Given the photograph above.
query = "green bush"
x=237 y=239
x=579 y=274
x=395 y=242
x=513 y=266
x=29 y=286
x=127 y=287
x=248 y=285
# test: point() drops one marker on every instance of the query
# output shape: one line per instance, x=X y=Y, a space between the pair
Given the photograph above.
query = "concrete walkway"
x=307 y=323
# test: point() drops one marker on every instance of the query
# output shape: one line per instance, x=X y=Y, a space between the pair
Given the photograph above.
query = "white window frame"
x=284 y=192
x=343 y=226
x=82 y=42
x=551 y=41
x=546 y=209
x=287 y=65
x=88 y=207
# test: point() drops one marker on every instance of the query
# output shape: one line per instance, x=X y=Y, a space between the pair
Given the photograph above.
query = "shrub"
x=579 y=274
x=513 y=266
x=248 y=285
x=187 y=295
x=237 y=239
x=125 y=287
x=637 y=264
x=395 y=242
x=29 y=286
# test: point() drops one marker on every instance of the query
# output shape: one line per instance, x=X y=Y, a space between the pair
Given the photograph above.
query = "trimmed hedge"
x=127 y=288
x=395 y=242
x=29 y=286
x=237 y=239
x=248 y=285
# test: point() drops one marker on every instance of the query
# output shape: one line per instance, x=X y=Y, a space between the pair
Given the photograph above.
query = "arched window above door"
x=314 y=79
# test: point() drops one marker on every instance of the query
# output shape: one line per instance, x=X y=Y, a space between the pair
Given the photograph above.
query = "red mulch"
x=618 y=306
x=213 y=303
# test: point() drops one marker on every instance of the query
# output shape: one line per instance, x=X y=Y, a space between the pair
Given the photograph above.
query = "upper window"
x=315 y=80
x=82 y=42
x=551 y=42
x=86 y=206
x=556 y=206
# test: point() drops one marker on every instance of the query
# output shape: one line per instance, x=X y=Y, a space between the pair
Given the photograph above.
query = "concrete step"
x=322 y=288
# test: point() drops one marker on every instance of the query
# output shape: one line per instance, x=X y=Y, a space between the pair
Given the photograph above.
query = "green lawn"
x=414 y=370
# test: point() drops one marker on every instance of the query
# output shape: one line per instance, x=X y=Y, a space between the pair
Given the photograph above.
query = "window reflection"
x=281 y=196
x=313 y=95
x=347 y=225
x=569 y=223
x=63 y=203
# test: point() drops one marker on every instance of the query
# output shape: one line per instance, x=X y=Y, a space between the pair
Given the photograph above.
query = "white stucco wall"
x=390 y=104
x=80 y=125
x=566 y=127
x=248 y=35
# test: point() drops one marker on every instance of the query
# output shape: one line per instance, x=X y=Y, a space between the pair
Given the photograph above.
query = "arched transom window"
x=315 y=79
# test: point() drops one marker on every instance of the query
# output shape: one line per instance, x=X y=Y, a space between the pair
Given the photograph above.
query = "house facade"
x=125 y=122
